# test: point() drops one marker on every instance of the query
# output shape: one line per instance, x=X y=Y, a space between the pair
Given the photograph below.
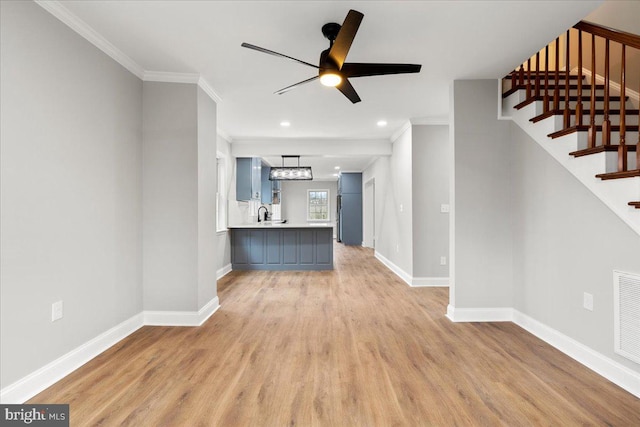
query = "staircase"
x=589 y=122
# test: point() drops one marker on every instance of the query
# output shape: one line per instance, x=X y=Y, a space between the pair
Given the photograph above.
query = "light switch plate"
x=56 y=311
x=587 y=302
x=444 y=208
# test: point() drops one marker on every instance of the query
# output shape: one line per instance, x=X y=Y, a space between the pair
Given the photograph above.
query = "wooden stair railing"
x=546 y=86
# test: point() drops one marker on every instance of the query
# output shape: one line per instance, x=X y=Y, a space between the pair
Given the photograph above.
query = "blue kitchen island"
x=278 y=246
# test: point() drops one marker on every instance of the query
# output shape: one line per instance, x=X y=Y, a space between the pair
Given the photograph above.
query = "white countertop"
x=277 y=224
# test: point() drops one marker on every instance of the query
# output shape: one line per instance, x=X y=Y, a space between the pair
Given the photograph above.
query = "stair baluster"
x=567 y=92
x=529 y=78
x=546 y=79
x=537 y=91
x=591 y=135
x=579 y=100
x=606 y=123
x=622 y=148
x=556 y=89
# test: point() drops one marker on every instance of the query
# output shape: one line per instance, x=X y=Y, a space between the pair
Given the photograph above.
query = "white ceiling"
x=451 y=39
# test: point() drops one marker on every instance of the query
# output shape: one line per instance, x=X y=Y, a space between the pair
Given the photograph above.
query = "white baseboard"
x=181 y=318
x=391 y=266
x=495 y=314
x=27 y=387
x=223 y=271
x=608 y=368
x=430 y=282
x=597 y=362
x=415 y=282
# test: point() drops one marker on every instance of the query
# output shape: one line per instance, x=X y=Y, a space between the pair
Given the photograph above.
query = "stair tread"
x=586 y=112
x=561 y=73
x=585 y=128
x=635 y=204
x=572 y=98
x=599 y=149
x=618 y=175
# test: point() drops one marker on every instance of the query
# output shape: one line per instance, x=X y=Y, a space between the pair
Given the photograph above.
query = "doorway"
x=369 y=228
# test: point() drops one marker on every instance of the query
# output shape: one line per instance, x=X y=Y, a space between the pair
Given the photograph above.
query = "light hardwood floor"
x=351 y=347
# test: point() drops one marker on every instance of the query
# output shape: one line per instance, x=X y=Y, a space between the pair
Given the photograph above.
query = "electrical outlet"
x=444 y=208
x=587 y=301
x=401 y=207
x=398 y=247
x=56 y=311
x=443 y=260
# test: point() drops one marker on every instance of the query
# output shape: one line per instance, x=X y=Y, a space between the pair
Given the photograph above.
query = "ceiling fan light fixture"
x=330 y=79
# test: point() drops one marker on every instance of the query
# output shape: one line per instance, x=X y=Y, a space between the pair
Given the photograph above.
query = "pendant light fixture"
x=291 y=173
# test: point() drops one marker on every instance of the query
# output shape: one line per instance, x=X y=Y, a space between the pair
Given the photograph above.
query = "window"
x=221 y=196
x=318 y=206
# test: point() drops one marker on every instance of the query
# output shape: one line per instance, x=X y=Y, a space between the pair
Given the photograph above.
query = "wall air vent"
x=626 y=311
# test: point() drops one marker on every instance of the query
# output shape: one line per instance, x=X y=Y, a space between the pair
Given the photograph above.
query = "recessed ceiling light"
x=285 y=124
x=382 y=123
x=337 y=168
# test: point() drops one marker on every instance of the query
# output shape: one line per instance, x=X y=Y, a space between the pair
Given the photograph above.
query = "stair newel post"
x=638 y=144
x=567 y=92
x=546 y=79
x=537 y=75
x=606 y=123
x=591 y=136
x=579 y=101
x=514 y=80
x=528 y=78
x=556 y=88
x=622 y=148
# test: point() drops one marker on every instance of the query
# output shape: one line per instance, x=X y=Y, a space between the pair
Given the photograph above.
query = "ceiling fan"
x=332 y=70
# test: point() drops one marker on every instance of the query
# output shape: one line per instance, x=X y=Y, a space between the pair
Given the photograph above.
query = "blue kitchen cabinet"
x=350 y=208
x=300 y=248
x=266 y=186
x=248 y=178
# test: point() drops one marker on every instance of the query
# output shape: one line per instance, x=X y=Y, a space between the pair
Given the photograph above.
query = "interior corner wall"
x=207 y=182
x=170 y=196
x=430 y=158
x=393 y=204
x=483 y=224
x=71 y=179
x=566 y=242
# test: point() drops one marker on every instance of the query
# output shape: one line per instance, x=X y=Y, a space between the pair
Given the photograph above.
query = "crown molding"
x=430 y=121
x=406 y=126
x=169 y=77
x=206 y=87
x=91 y=35
x=222 y=134
x=55 y=8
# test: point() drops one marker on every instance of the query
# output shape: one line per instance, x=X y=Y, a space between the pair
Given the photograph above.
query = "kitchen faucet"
x=266 y=213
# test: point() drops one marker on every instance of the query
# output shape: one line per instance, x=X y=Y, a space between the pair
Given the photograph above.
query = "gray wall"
x=70 y=206
x=430 y=159
x=179 y=190
x=170 y=196
x=393 y=203
x=566 y=242
x=207 y=179
x=528 y=235
x=483 y=224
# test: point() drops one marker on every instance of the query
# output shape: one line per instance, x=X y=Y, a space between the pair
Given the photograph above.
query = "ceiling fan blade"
x=347 y=33
x=270 y=52
x=348 y=91
x=370 y=69
x=293 y=86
